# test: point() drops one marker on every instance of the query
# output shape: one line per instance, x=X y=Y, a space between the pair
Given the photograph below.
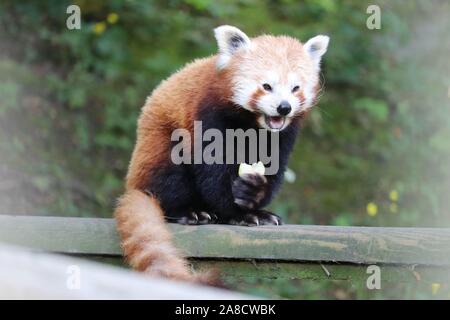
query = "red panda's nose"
x=284 y=108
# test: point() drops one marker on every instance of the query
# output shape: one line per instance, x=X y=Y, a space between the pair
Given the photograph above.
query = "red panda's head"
x=275 y=77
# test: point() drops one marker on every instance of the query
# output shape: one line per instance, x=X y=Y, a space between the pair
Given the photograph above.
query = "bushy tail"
x=147 y=242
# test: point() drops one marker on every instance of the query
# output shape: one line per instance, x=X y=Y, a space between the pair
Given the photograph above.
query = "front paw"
x=249 y=189
x=194 y=218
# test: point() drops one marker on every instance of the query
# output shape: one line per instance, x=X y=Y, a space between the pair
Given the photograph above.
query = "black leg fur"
x=185 y=191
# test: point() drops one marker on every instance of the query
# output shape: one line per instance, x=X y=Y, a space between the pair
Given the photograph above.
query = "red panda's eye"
x=295 y=89
x=267 y=87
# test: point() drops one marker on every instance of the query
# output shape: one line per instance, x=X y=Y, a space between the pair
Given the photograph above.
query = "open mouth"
x=275 y=123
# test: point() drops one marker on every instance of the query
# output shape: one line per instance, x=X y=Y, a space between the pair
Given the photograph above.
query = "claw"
x=204 y=218
x=191 y=219
x=257 y=218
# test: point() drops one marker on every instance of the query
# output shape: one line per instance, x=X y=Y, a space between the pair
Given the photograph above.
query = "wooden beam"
x=230 y=270
x=360 y=245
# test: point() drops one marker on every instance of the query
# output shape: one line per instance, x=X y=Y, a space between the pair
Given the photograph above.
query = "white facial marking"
x=260 y=61
x=243 y=90
x=281 y=91
x=308 y=94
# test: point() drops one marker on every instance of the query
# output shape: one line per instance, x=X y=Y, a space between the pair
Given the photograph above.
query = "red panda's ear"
x=316 y=48
x=229 y=39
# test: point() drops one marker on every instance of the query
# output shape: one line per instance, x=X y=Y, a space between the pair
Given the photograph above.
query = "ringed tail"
x=147 y=242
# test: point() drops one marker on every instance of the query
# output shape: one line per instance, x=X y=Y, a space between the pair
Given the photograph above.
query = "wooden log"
x=232 y=270
x=361 y=245
x=31 y=275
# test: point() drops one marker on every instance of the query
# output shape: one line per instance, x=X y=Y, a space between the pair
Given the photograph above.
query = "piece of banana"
x=256 y=168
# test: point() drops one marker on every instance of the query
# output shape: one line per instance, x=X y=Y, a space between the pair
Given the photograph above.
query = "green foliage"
x=69 y=100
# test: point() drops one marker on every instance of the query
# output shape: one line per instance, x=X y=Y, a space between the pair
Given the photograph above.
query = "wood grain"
x=360 y=245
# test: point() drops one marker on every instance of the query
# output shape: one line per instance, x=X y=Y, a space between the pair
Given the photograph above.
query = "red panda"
x=267 y=82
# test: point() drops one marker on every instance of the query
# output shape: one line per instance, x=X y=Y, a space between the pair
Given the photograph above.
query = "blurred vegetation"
x=375 y=152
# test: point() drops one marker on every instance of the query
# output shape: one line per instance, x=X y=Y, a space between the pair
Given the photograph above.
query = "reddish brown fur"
x=255 y=97
x=146 y=241
x=168 y=108
x=139 y=222
x=300 y=96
